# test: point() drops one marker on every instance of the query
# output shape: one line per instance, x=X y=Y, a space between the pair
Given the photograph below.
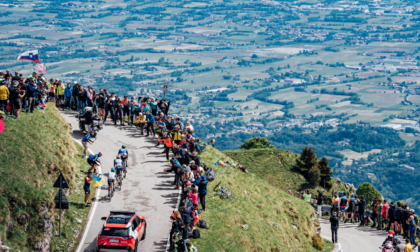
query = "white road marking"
x=95 y=204
x=338 y=244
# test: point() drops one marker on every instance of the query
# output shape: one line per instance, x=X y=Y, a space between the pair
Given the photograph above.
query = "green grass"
x=34 y=149
x=269 y=212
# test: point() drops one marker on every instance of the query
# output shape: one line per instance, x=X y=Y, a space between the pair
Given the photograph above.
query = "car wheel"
x=136 y=246
x=144 y=233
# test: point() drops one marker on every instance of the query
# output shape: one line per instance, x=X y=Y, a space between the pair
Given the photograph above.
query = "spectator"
x=335 y=223
x=189 y=126
x=17 y=95
x=67 y=96
x=361 y=207
x=169 y=143
x=319 y=204
x=141 y=121
x=408 y=247
x=307 y=196
x=379 y=207
x=391 y=218
x=176 y=169
x=150 y=120
x=153 y=104
x=202 y=191
x=82 y=98
x=412 y=227
x=109 y=107
x=32 y=90
x=75 y=96
x=4 y=92
x=87 y=139
x=398 y=218
x=60 y=93
x=193 y=194
x=86 y=187
x=118 y=108
x=384 y=214
x=415 y=249
x=191 y=248
x=101 y=100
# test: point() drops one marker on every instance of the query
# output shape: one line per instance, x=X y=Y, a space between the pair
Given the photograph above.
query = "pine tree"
x=307 y=161
x=326 y=173
x=314 y=176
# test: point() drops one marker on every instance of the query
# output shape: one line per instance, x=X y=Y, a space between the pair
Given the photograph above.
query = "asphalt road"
x=353 y=238
x=147 y=190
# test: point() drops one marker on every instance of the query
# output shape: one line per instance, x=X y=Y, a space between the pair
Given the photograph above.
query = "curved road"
x=353 y=238
x=147 y=190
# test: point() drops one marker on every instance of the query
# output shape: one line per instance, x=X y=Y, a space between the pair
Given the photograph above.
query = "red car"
x=121 y=231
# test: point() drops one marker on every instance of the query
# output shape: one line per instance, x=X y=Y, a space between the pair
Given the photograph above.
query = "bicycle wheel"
x=226 y=190
x=125 y=173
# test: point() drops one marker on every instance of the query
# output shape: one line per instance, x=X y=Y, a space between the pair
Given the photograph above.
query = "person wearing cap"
x=17 y=96
x=202 y=191
x=32 y=90
x=335 y=224
x=4 y=92
x=176 y=134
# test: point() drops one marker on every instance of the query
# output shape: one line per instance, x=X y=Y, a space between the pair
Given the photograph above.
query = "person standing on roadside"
x=374 y=212
x=307 y=196
x=362 y=204
x=391 y=217
x=343 y=205
x=86 y=140
x=398 y=218
x=75 y=96
x=384 y=214
x=335 y=223
x=150 y=121
x=202 y=191
x=319 y=204
x=82 y=98
x=153 y=105
x=17 y=95
x=379 y=214
x=118 y=107
x=404 y=218
x=408 y=247
x=412 y=226
x=67 y=96
x=86 y=187
x=4 y=92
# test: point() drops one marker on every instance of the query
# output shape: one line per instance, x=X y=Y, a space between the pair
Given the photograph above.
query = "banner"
x=40 y=68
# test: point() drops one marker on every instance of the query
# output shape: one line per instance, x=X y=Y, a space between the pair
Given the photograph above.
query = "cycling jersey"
x=86 y=138
x=94 y=157
x=343 y=202
x=118 y=163
x=112 y=175
x=123 y=151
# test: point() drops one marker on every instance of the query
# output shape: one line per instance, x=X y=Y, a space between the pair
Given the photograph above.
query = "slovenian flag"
x=29 y=55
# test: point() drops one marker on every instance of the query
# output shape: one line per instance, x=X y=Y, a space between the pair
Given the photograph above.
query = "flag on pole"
x=29 y=55
x=40 y=68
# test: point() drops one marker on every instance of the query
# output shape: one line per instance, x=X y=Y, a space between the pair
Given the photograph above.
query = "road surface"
x=353 y=238
x=147 y=190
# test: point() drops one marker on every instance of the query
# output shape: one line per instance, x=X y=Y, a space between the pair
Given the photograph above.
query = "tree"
x=307 y=161
x=254 y=56
x=256 y=143
x=326 y=173
x=368 y=191
x=314 y=176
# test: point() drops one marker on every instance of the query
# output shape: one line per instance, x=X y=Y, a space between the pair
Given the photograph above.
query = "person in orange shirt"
x=384 y=214
x=169 y=143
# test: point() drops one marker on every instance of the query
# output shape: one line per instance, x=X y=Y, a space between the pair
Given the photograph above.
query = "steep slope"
x=276 y=221
x=34 y=149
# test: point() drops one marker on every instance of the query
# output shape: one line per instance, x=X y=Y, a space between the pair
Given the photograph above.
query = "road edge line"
x=92 y=210
x=168 y=244
x=338 y=244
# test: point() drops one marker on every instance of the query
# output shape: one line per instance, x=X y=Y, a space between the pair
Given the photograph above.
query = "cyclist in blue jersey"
x=124 y=154
x=118 y=164
x=93 y=161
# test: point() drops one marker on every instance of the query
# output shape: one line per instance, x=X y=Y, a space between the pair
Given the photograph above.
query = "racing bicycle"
x=111 y=191
x=224 y=191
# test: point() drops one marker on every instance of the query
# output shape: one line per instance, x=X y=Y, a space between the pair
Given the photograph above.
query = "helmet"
x=100 y=153
x=113 y=169
x=118 y=156
x=123 y=146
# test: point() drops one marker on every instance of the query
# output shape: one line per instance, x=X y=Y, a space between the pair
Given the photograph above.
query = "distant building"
x=294 y=81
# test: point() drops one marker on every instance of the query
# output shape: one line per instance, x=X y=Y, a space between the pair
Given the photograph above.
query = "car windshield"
x=115 y=231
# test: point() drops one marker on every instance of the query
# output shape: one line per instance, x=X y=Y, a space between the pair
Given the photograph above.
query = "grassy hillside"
x=34 y=149
x=276 y=221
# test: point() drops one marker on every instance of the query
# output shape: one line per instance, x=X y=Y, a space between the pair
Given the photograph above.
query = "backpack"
x=202 y=224
x=196 y=234
x=210 y=174
x=90 y=157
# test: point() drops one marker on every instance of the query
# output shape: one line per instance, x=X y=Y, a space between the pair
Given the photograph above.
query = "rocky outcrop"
x=43 y=245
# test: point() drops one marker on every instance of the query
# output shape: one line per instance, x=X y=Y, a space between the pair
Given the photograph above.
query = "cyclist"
x=111 y=178
x=123 y=152
x=93 y=161
x=118 y=164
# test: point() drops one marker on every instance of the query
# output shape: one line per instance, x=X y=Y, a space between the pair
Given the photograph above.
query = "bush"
x=317 y=242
